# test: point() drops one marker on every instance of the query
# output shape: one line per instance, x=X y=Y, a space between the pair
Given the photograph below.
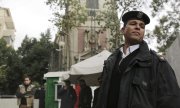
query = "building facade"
x=87 y=39
x=7 y=28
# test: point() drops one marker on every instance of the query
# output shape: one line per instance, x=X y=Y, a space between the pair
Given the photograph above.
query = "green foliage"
x=73 y=15
x=32 y=58
x=8 y=72
x=169 y=27
x=14 y=73
x=110 y=17
x=157 y=6
x=3 y=74
x=35 y=56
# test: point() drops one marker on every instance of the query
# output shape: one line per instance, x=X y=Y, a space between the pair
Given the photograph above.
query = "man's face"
x=27 y=81
x=134 y=32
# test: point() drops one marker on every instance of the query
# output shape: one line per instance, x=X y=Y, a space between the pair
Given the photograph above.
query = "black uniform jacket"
x=85 y=97
x=148 y=82
x=68 y=97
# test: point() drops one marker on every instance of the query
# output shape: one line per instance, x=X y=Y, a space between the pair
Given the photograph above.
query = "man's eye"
x=132 y=23
x=142 y=26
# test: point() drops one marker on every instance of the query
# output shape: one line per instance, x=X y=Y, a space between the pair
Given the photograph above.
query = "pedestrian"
x=135 y=76
x=77 y=89
x=67 y=95
x=96 y=93
x=85 y=96
x=25 y=93
x=40 y=94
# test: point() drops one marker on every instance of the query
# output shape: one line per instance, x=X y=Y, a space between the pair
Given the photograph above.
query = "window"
x=57 y=89
x=7 y=13
x=8 y=39
x=92 y=4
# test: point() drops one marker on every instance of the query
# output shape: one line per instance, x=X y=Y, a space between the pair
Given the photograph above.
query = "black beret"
x=136 y=15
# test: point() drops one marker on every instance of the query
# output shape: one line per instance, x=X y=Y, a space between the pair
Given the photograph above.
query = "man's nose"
x=138 y=26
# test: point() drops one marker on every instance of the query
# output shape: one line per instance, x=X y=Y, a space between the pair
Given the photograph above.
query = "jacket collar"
x=129 y=50
x=144 y=53
x=143 y=57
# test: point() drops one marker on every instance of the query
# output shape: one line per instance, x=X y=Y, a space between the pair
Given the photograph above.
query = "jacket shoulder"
x=32 y=85
x=158 y=56
x=113 y=55
x=20 y=86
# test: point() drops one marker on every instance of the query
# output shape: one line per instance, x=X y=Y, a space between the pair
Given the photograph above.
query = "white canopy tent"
x=91 y=65
x=89 y=69
x=63 y=74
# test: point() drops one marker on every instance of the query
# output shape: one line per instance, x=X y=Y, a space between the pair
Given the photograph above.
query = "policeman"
x=134 y=76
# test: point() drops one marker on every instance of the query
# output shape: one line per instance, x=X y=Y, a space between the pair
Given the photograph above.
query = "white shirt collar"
x=129 y=50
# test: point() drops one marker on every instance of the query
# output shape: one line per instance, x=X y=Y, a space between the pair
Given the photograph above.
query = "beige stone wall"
x=7 y=29
x=173 y=57
x=12 y=103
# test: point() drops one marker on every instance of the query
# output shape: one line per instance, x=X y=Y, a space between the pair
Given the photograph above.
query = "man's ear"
x=122 y=30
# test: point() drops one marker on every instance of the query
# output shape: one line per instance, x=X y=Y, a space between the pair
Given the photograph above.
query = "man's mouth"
x=137 y=33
